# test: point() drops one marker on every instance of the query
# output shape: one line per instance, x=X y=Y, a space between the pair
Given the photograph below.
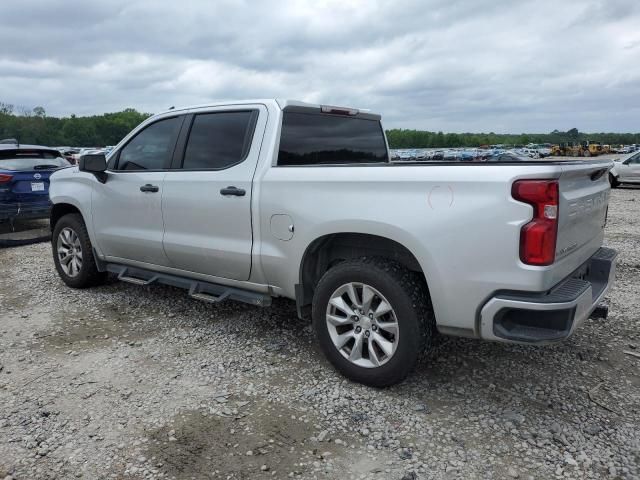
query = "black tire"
x=613 y=181
x=408 y=295
x=88 y=275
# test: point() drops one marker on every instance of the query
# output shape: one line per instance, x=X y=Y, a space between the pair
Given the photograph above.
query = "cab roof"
x=280 y=102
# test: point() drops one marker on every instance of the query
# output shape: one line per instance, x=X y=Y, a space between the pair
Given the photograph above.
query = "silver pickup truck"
x=260 y=199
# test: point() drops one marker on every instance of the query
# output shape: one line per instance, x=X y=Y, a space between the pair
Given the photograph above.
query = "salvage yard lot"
x=143 y=382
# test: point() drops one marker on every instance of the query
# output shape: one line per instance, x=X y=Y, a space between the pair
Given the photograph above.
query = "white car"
x=625 y=170
x=544 y=152
x=84 y=151
x=529 y=152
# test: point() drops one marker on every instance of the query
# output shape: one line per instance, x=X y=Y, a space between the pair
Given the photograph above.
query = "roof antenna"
x=172 y=107
x=10 y=141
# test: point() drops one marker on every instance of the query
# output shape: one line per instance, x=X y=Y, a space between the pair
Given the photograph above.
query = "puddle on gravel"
x=202 y=445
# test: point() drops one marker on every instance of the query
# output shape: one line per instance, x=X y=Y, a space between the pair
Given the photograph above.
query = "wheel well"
x=327 y=251
x=58 y=211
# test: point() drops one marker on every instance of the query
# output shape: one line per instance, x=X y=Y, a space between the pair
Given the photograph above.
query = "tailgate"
x=584 y=199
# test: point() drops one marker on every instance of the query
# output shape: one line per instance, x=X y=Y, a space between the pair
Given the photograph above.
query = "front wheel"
x=613 y=181
x=73 y=254
x=373 y=318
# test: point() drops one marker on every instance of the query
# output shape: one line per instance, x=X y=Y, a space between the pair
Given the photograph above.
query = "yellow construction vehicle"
x=567 y=149
x=558 y=150
x=590 y=149
x=573 y=149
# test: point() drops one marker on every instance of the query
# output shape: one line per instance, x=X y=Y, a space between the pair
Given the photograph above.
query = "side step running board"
x=208 y=292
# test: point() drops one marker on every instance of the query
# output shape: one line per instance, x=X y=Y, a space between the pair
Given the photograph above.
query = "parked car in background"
x=507 y=156
x=83 y=151
x=451 y=155
x=438 y=155
x=544 y=152
x=625 y=170
x=529 y=152
x=24 y=180
x=69 y=154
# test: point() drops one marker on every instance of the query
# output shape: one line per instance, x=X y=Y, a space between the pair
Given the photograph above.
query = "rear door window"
x=219 y=140
x=321 y=139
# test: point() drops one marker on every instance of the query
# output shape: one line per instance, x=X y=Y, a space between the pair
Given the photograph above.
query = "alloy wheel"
x=362 y=325
x=69 y=252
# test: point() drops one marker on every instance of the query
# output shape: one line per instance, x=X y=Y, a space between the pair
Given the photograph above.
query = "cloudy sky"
x=465 y=65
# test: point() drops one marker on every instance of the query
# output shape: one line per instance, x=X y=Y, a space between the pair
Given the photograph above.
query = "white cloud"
x=475 y=65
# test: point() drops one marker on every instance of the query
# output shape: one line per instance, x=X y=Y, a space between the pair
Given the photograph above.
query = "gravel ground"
x=143 y=382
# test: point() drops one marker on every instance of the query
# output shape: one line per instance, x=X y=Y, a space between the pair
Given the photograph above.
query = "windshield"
x=31 y=160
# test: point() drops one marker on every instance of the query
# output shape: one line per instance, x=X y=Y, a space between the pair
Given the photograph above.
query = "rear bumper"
x=547 y=317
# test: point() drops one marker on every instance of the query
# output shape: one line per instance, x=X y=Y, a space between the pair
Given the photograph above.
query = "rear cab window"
x=311 y=137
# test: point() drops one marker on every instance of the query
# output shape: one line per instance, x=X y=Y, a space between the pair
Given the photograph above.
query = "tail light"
x=538 y=237
x=5 y=178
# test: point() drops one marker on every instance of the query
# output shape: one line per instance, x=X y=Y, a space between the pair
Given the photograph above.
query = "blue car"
x=24 y=180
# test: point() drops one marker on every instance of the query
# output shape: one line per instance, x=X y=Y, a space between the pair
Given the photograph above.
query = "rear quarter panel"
x=459 y=221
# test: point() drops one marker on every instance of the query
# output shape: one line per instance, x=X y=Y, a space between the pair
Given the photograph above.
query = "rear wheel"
x=73 y=254
x=373 y=318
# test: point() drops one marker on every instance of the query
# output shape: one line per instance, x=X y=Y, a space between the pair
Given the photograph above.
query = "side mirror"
x=95 y=163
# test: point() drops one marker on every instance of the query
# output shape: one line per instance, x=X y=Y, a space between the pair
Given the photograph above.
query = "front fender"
x=614 y=171
x=75 y=188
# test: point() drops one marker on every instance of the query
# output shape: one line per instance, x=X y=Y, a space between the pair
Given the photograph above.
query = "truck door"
x=127 y=209
x=206 y=198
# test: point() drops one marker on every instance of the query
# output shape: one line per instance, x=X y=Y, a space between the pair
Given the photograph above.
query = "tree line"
x=34 y=126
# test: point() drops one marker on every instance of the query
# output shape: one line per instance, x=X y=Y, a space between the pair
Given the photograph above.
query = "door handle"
x=238 y=192
x=149 y=188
